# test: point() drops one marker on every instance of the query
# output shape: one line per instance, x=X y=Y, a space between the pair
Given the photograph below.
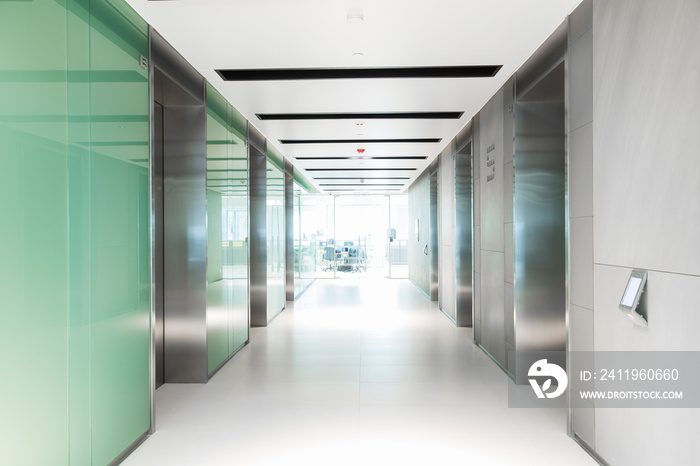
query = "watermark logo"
x=542 y=368
x=606 y=379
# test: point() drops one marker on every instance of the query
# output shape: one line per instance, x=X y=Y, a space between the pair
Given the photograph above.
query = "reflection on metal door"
x=157 y=184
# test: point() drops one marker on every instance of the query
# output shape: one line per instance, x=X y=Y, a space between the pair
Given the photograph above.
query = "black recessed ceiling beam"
x=362 y=178
x=222 y=159
x=361 y=141
x=364 y=189
x=359 y=157
x=362 y=116
x=295 y=74
x=356 y=169
x=361 y=185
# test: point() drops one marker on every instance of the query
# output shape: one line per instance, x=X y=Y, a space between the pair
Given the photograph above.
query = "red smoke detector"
x=360 y=151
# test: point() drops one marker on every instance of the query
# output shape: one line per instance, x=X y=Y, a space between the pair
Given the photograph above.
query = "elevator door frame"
x=464 y=235
x=158 y=253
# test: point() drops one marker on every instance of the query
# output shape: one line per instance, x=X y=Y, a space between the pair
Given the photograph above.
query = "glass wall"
x=74 y=199
x=361 y=245
x=227 y=230
x=313 y=230
x=275 y=241
x=398 y=207
x=350 y=236
x=318 y=221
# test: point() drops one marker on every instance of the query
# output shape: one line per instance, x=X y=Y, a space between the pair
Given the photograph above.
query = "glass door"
x=314 y=253
x=398 y=236
x=361 y=224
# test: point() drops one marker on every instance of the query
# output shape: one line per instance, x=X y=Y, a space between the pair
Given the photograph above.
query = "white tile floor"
x=356 y=372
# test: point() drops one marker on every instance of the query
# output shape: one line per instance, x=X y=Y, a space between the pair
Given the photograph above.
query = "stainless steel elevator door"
x=539 y=216
x=464 y=244
x=180 y=235
x=446 y=232
x=434 y=237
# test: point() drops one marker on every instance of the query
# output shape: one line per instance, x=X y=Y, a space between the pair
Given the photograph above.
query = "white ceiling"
x=237 y=34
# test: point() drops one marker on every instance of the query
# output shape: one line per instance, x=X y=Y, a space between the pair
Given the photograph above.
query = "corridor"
x=355 y=372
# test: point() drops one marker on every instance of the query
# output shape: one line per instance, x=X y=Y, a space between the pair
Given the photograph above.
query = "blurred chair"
x=329 y=255
x=355 y=259
x=362 y=259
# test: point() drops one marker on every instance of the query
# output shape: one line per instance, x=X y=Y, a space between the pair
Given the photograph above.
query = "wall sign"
x=490 y=163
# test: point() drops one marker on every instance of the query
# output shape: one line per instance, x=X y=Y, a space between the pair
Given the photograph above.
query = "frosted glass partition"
x=227 y=230
x=275 y=241
x=74 y=199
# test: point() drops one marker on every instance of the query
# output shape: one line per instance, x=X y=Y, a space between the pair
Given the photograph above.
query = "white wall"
x=580 y=180
x=419 y=208
x=635 y=203
x=492 y=217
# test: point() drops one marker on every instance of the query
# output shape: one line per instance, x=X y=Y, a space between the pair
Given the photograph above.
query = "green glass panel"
x=275 y=240
x=218 y=302
x=236 y=208
x=275 y=158
x=33 y=236
x=239 y=127
x=119 y=225
x=78 y=113
x=227 y=224
x=75 y=273
x=303 y=182
x=309 y=238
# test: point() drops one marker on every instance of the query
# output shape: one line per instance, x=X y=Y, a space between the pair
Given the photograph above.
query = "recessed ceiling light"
x=358 y=55
x=355 y=16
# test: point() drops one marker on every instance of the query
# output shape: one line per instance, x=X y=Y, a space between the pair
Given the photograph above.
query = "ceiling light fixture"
x=355 y=16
